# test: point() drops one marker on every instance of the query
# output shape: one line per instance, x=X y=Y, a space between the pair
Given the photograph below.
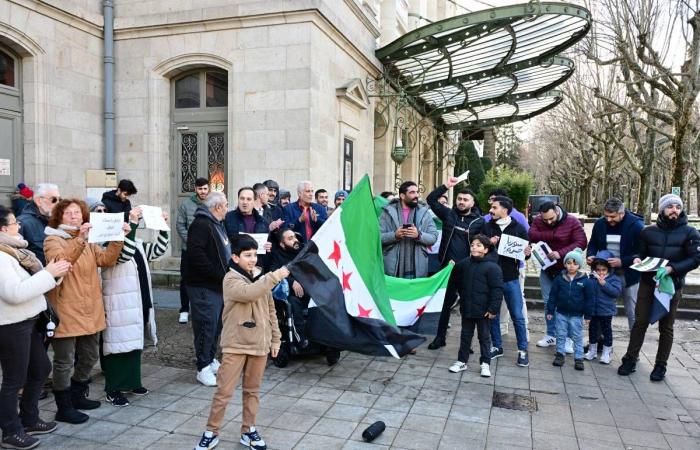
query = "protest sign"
x=512 y=247
x=540 y=251
x=649 y=264
x=106 y=227
x=153 y=218
x=261 y=239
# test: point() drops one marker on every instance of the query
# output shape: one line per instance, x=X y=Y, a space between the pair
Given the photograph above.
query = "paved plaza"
x=309 y=405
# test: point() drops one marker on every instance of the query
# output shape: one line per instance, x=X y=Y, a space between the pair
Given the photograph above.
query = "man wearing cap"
x=340 y=197
x=672 y=239
x=618 y=232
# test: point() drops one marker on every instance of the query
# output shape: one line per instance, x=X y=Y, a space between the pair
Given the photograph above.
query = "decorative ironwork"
x=188 y=165
x=216 y=159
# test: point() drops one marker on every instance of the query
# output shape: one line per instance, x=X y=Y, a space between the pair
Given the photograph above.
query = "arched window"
x=205 y=89
x=7 y=69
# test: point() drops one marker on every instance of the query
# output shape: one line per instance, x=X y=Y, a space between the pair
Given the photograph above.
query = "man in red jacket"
x=563 y=233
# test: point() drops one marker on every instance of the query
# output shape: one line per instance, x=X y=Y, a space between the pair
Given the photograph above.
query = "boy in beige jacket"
x=250 y=332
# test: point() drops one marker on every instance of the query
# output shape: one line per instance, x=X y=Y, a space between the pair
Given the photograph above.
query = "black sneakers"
x=116 y=398
x=659 y=372
x=438 y=342
x=629 y=365
x=140 y=391
x=40 y=427
x=578 y=364
x=21 y=441
x=558 y=360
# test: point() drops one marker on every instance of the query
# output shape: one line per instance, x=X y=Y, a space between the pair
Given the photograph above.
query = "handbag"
x=47 y=321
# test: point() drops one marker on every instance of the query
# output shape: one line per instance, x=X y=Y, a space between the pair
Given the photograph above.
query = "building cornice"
x=91 y=27
x=368 y=62
x=362 y=17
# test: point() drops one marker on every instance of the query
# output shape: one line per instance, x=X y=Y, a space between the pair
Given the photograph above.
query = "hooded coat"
x=114 y=204
x=479 y=283
x=208 y=251
x=675 y=241
x=391 y=220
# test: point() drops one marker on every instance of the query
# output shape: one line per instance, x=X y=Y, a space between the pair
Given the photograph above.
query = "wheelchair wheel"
x=282 y=356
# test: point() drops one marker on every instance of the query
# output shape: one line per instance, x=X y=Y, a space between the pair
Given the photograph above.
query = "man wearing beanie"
x=671 y=238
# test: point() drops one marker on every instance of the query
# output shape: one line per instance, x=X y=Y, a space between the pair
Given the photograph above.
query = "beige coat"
x=252 y=303
x=78 y=300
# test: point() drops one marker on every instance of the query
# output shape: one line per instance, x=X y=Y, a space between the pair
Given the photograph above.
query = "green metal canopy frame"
x=489 y=67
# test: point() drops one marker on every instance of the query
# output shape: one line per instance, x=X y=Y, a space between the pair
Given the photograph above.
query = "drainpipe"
x=108 y=11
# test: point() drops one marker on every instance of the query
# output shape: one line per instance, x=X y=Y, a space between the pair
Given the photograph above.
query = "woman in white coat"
x=25 y=365
x=128 y=298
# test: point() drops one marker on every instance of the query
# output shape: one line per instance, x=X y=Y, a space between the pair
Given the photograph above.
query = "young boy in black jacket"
x=479 y=282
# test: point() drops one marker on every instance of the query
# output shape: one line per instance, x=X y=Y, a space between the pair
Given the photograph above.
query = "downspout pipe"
x=108 y=12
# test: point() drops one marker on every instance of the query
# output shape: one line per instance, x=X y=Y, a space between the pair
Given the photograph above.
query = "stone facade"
x=297 y=88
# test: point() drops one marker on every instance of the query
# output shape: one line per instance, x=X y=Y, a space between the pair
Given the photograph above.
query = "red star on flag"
x=335 y=256
x=421 y=310
x=363 y=312
x=346 y=281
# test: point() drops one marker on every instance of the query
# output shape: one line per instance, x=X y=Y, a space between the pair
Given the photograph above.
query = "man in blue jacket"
x=304 y=216
x=618 y=232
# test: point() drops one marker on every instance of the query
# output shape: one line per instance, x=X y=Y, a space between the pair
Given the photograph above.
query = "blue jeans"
x=514 y=302
x=546 y=287
x=572 y=327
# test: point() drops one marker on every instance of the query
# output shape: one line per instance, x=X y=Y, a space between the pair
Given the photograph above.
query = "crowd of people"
x=94 y=302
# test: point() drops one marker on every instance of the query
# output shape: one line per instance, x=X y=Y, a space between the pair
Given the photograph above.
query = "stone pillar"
x=389 y=18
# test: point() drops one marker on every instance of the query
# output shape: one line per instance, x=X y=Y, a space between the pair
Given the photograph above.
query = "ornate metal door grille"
x=188 y=167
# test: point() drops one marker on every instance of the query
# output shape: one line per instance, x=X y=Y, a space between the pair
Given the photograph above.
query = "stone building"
x=236 y=90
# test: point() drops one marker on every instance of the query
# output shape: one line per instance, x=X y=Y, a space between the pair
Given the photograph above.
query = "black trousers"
x=645 y=297
x=24 y=365
x=600 y=325
x=298 y=306
x=184 y=296
x=483 y=331
x=206 y=306
x=444 y=318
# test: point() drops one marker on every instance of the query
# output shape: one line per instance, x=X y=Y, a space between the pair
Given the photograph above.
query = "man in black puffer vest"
x=671 y=238
x=459 y=224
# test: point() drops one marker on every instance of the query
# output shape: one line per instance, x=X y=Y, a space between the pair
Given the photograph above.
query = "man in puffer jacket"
x=671 y=238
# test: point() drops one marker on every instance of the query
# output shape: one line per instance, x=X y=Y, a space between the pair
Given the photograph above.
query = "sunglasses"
x=54 y=200
x=100 y=210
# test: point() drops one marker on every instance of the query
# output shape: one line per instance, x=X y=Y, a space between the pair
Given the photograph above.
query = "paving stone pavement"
x=309 y=405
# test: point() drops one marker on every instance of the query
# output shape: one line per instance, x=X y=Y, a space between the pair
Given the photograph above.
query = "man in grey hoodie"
x=185 y=216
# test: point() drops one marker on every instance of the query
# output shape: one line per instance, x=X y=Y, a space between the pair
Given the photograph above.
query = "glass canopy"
x=488 y=67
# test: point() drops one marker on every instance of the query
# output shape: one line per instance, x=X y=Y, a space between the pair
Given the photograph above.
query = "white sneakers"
x=458 y=366
x=605 y=357
x=485 y=370
x=592 y=352
x=184 y=317
x=206 y=376
x=569 y=346
x=215 y=364
x=546 y=341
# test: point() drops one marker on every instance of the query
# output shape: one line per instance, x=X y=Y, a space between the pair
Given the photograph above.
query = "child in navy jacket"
x=607 y=287
x=571 y=299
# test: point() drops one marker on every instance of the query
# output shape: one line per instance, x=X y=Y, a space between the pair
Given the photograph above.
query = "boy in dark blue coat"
x=571 y=299
x=607 y=287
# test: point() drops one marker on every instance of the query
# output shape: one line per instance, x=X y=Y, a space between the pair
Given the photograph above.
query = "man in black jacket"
x=208 y=254
x=502 y=224
x=671 y=238
x=118 y=199
x=246 y=219
x=459 y=223
x=35 y=218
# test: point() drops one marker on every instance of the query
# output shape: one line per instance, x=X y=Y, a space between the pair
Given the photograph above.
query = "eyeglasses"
x=100 y=210
x=16 y=222
x=53 y=200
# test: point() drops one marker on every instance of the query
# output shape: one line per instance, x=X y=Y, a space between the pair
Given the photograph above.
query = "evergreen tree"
x=467 y=158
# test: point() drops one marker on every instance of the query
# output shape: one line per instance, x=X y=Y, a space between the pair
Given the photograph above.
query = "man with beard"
x=246 y=219
x=563 y=233
x=407 y=229
x=672 y=239
x=185 y=217
x=321 y=197
x=459 y=224
x=502 y=223
x=35 y=218
x=285 y=248
x=273 y=211
x=618 y=232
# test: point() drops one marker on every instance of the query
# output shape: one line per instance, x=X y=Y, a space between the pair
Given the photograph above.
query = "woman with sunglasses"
x=78 y=303
x=25 y=365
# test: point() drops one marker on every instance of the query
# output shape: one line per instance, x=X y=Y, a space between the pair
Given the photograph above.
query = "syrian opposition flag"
x=663 y=293
x=356 y=305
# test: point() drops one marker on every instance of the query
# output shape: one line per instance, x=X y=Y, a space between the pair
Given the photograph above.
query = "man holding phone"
x=407 y=231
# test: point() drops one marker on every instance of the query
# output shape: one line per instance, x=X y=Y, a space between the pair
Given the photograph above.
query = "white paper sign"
x=435 y=248
x=463 y=177
x=106 y=227
x=512 y=247
x=261 y=239
x=5 y=165
x=540 y=252
x=649 y=264
x=153 y=218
